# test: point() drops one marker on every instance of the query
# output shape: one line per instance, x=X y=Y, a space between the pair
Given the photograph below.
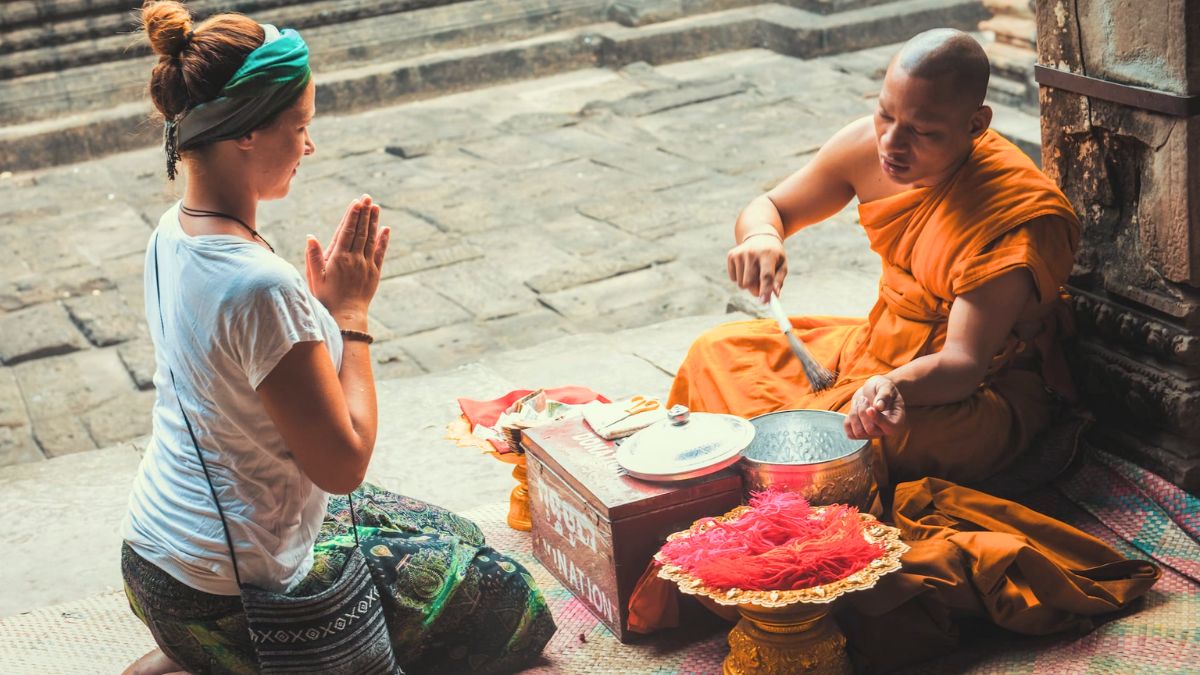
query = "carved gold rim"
x=873 y=531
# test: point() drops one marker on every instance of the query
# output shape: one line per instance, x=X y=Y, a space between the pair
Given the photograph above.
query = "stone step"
x=85 y=494
x=28 y=25
x=1023 y=9
x=1014 y=30
x=416 y=32
x=645 y=12
x=344 y=87
x=781 y=29
x=1024 y=129
x=1011 y=62
x=1014 y=93
x=16 y=13
x=82 y=42
x=65 y=22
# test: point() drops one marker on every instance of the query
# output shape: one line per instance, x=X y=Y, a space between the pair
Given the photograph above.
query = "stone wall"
x=1132 y=175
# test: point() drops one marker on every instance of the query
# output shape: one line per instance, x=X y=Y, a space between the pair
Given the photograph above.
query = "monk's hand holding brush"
x=759 y=263
x=877 y=409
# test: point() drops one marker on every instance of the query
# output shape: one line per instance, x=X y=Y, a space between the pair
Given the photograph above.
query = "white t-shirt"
x=232 y=309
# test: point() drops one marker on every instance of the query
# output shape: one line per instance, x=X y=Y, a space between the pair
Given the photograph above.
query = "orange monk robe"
x=996 y=214
x=973 y=555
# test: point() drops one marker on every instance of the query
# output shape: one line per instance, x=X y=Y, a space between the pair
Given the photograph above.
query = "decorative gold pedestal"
x=784 y=632
x=459 y=431
x=801 y=638
x=518 y=500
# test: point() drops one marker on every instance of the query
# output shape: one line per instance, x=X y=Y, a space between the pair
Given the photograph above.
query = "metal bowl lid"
x=685 y=445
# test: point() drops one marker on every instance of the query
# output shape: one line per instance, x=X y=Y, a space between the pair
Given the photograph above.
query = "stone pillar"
x=1012 y=52
x=1129 y=160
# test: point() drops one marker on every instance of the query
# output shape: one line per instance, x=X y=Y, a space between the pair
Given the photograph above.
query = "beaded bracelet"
x=357 y=335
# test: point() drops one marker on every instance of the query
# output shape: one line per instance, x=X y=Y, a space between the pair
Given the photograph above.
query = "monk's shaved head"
x=930 y=110
x=949 y=57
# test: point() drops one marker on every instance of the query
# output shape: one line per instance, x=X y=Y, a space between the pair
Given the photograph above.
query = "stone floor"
x=75 y=503
x=591 y=201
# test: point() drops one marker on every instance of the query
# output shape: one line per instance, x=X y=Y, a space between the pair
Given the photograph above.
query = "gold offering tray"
x=789 y=631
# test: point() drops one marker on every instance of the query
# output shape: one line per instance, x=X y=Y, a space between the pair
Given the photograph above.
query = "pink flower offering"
x=781 y=544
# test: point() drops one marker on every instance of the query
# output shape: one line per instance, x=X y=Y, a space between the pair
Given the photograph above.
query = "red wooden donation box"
x=596 y=528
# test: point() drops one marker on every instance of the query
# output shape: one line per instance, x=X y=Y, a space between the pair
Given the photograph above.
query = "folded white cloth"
x=606 y=418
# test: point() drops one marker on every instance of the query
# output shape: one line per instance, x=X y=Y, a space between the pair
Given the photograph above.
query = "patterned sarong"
x=452 y=604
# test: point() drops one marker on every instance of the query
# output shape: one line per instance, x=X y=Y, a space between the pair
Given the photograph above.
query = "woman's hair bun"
x=168 y=25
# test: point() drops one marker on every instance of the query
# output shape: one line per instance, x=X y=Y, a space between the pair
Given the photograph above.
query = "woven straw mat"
x=100 y=634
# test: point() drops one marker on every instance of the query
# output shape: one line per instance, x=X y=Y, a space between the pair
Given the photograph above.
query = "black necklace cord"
x=200 y=213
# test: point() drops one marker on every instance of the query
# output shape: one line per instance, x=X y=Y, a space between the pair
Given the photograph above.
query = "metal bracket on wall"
x=1133 y=96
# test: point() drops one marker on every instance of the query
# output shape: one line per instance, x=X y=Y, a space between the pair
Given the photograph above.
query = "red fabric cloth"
x=488 y=412
x=653 y=605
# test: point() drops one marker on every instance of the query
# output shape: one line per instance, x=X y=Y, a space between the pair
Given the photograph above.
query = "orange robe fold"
x=973 y=555
x=996 y=214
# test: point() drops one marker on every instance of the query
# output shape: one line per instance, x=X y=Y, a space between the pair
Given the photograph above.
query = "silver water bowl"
x=806 y=451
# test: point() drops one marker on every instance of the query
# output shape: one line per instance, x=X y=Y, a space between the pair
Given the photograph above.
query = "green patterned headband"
x=269 y=81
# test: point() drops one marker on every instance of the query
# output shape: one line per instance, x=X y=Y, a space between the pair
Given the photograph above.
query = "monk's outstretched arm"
x=980 y=321
x=758 y=262
x=818 y=190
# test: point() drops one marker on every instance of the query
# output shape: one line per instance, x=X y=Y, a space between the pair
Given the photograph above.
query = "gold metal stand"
x=800 y=638
x=518 y=500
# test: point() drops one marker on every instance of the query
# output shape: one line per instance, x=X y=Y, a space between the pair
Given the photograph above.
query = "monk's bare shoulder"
x=864 y=172
x=854 y=157
x=826 y=184
x=847 y=148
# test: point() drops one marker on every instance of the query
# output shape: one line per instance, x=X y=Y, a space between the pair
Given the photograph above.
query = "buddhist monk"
x=975 y=243
x=954 y=372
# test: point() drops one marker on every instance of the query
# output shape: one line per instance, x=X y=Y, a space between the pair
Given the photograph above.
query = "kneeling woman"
x=266 y=401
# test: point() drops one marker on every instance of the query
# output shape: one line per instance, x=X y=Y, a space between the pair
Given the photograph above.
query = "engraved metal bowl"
x=807 y=451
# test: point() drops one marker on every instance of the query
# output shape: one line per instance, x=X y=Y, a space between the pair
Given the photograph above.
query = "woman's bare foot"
x=154 y=662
